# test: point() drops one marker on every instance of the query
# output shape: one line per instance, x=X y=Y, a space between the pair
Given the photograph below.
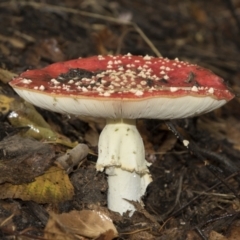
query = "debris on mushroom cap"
x=121 y=79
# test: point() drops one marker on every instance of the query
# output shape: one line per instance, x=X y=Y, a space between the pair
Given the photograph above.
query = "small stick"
x=194 y=149
x=92 y=15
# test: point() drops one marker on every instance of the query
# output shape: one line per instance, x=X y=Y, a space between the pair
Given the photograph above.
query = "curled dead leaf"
x=23 y=159
x=52 y=187
x=216 y=236
x=6 y=76
x=23 y=114
x=85 y=223
x=5 y=103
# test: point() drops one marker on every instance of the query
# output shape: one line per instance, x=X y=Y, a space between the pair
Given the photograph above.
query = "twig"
x=199 y=231
x=228 y=196
x=195 y=198
x=177 y=196
x=6 y=220
x=191 y=146
x=91 y=15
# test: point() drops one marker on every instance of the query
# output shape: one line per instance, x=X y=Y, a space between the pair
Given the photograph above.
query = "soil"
x=195 y=190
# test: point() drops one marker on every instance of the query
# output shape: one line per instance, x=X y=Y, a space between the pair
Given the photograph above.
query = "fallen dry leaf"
x=52 y=187
x=234 y=231
x=108 y=235
x=192 y=235
x=141 y=235
x=5 y=102
x=85 y=223
x=216 y=236
x=6 y=76
x=23 y=159
x=23 y=114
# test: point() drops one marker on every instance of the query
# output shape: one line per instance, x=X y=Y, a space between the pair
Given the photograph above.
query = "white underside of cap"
x=156 y=108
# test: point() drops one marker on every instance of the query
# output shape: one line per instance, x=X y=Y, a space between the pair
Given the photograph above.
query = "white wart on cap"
x=126 y=86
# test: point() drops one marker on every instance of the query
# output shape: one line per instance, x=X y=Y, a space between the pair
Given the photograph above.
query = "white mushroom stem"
x=122 y=155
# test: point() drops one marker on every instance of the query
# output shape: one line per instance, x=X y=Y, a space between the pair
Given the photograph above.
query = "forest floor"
x=191 y=197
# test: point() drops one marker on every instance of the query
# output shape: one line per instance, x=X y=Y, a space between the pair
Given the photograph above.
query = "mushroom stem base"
x=122 y=155
x=124 y=185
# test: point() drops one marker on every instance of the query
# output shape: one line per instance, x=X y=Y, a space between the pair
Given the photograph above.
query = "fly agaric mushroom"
x=122 y=89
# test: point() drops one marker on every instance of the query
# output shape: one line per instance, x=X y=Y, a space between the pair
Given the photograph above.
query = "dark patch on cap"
x=75 y=74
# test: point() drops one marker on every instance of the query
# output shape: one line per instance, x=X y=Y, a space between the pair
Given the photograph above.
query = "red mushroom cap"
x=113 y=84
